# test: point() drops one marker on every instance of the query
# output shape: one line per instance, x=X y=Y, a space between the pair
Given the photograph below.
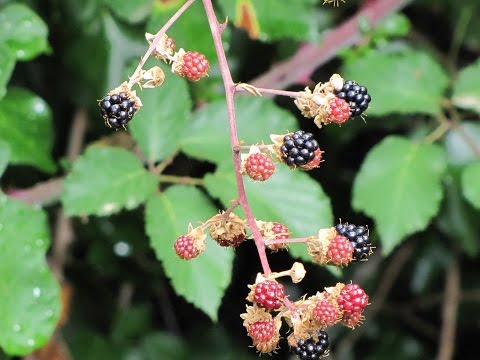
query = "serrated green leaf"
x=4 y=156
x=457 y=219
x=105 y=180
x=160 y=124
x=399 y=185
x=26 y=126
x=459 y=141
x=203 y=280
x=131 y=11
x=7 y=63
x=415 y=82
x=304 y=207
x=29 y=293
x=190 y=32
x=207 y=137
x=465 y=94
x=23 y=31
x=471 y=184
x=269 y=20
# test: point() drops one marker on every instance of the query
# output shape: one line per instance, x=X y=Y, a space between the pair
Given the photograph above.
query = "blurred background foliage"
x=410 y=171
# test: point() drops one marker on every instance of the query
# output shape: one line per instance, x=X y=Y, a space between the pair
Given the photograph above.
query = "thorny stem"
x=216 y=29
x=156 y=39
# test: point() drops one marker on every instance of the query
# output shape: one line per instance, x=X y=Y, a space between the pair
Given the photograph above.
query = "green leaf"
x=131 y=11
x=471 y=184
x=23 y=31
x=257 y=118
x=457 y=219
x=104 y=180
x=190 y=32
x=303 y=207
x=4 y=156
x=203 y=280
x=415 y=81
x=399 y=185
x=29 y=293
x=160 y=124
x=459 y=142
x=465 y=94
x=7 y=63
x=269 y=20
x=26 y=126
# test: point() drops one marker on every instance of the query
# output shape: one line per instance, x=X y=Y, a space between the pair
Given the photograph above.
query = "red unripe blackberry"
x=186 y=248
x=326 y=313
x=269 y=294
x=262 y=331
x=352 y=299
x=298 y=148
x=117 y=109
x=357 y=97
x=195 y=65
x=310 y=349
x=359 y=238
x=259 y=167
x=339 y=110
x=352 y=320
x=340 y=251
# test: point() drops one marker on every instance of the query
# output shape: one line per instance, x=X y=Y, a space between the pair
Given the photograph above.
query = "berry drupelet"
x=298 y=148
x=356 y=96
x=358 y=236
x=117 y=109
x=311 y=350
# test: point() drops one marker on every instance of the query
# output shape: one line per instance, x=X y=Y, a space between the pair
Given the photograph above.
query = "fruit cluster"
x=120 y=105
x=307 y=318
x=335 y=101
x=340 y=245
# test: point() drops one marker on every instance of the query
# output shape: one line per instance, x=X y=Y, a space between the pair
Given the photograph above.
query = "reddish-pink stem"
x=157 y=38
x=216 y=30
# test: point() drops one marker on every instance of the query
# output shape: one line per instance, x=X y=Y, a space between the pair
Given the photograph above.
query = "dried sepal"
x=132 y=94
x=178 y=62
x=297 y=272
x=227 y=229
x=317 y=247
x=165 y=48
x=199 y=236
x=267 y=230
x=248 y=88
x=153 y=77
x=315 y=105
x=334 y=2
x=255 y=315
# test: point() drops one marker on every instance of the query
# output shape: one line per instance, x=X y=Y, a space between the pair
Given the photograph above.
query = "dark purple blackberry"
x=298 y=148
x=357 y=97
x=311 y=350
x=117 y=109
x=358 y=236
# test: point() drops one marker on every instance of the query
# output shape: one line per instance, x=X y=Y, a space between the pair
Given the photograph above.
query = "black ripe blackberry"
x=357 y=97
x=311 y=350
x=117 y=109
x=298 y=148
x=358 y=236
